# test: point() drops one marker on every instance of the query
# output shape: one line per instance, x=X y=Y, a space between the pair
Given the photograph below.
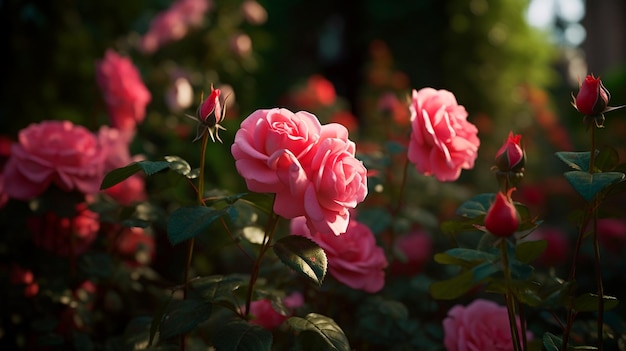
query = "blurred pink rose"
x=135 y=245
x=253 y=12
x=124 y=92
x=337 y=182
x=612 y=234
x=4 y=197
x=129 y=191
x=54 y=152
x=116 y=142
x=267 y=136
x=24 y=277
x=354 y=259
x=442 y=140
x=265 y=315
x=557 y=251
x=481 y=325
x=173 y=24
x=416 y=249
x=65 y=236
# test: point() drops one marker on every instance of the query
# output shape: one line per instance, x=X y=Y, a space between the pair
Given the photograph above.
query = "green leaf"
x=98 y=265
x=304 y=256
x=472 y=255
x=476 y=206
x=551 y=342
x=178 y=165
x=218 y=288
x=188 y=222
x=577 y=160
x=118 y=175
x=377 y=219
x=320 y=333
x=484 y=271
x=183 y=316
x=589 y=303
x=528 y=251
x=607 y=159
x=242 y=336
x=452 y=288
x=589 y=184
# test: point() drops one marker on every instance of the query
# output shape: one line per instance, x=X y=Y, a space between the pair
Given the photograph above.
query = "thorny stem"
x=509 y=297
x=267 y=242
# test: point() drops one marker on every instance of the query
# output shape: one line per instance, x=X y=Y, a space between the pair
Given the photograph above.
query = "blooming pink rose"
x=481 y=325
x=416 y=249
x=612 y=234
x=265 y=315
x=337 y=181
x=54 y=152
x=354 y=259
x=272 y=140
x=65 y=236
x=135 y=245
x=442 y=140
x=124 y=92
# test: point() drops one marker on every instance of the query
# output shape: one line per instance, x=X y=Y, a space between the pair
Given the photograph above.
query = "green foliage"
x=183 y=316
x=120 y=174
x=188 y=222
x=476 y=206
x=304 y=256
x=239 y=335
x=588 y=185
x=218 y=289
x=576 y=160
x=589 y=303
x=316 y=332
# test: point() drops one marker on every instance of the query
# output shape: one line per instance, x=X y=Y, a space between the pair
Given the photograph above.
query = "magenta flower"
x=593 y=99
x=511 y=156
x=501 y=219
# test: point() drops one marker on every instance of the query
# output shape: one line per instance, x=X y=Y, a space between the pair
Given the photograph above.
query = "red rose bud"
x=592 y=98
x=211 y=106
x=511 y=156
x=501 y=219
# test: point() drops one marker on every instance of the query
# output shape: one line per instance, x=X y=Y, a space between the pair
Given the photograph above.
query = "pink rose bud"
x=209 y=106
x=501 y=219
x=511 y=156
x=593 y=97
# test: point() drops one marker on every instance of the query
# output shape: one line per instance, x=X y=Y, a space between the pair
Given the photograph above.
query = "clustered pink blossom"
x=354 y=259
x=415 y=250
x=124 y=92
x=311 y=168
x=443 y=141
x=173 y=24
x=481 y=325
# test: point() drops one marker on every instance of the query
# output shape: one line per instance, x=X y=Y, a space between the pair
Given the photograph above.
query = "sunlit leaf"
x=320 y=333
x=589 y=303
x=242 y=336
x=303 y=256
x=178 y=164
x=589 y=184
x=217 y=288
x=577 y=160
x=552 y=342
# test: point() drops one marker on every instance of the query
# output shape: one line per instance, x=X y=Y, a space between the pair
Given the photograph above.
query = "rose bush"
x=354 y=259
x=124 y=92
x=443 y=141
x=481 y=325
x=54 y=152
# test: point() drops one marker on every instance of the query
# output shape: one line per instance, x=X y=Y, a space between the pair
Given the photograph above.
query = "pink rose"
x=124 y=92
x=481 y=325
x=354 y=259
x=54 y=152
x=265 y=315
x=558 y=249
x=270 y=141
x=130 y=191
x=65 y=236
x=173 y=24
x=135 y=245
x=416 y=249
x=337 y=181
x=442 y=140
